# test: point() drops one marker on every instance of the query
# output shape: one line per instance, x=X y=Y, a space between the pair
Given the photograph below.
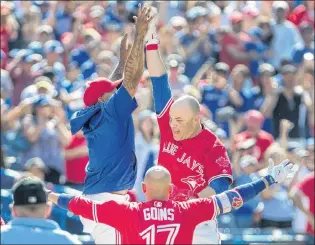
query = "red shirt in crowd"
x=300 y=14
x=263 y=141
x=75 y=168
x=232 y=39
x=153 y=222
x=4 y=44
x=193 y=163
x=306 y=186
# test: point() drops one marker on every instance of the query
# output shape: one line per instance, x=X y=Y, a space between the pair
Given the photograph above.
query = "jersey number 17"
x=149 y=234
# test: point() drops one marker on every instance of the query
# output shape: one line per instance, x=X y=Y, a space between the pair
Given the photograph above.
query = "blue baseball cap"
x=53 y=46
x=32 y=58
x=25 y=56
x=36 y=47
x=78 y=55
x=196 y=12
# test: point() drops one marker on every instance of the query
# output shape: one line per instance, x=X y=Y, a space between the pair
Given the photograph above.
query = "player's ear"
x=170 y=189
x=48 y=209
x=144 y=189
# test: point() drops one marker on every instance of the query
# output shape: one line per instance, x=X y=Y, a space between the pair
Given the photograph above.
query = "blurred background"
x=249 y=63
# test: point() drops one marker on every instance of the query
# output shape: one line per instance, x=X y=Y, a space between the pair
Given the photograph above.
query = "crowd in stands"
x=249 y=63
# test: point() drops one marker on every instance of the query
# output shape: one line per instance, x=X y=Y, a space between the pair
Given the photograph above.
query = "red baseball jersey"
x=154 y=222
x=307 y=188
x=193 y=163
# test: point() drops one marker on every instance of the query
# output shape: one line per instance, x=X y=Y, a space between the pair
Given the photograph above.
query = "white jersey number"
x=149 y=234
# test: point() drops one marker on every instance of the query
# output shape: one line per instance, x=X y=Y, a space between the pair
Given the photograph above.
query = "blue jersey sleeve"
x=234 y=199
x=121 y=105
x=161 y=92
x=220 y=185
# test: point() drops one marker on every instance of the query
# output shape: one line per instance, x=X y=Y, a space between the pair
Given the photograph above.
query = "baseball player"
x=108 y=128
x=197 y=160
x=163 y=221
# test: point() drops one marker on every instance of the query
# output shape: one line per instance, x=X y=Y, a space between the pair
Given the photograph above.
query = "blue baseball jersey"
x=109 y=131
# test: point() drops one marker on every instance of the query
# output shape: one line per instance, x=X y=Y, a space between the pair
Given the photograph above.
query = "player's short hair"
x=191 y=101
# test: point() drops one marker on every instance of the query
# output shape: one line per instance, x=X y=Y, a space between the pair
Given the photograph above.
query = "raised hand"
x=286 y=126
x=143 y=19
x=125 y=48
x=280 y=172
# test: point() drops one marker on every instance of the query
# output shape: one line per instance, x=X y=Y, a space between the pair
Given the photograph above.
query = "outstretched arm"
x=100 y=212
x=135 y=63
x=160 y=85
x=234 y=199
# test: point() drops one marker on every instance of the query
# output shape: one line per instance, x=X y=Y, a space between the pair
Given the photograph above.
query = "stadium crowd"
x=249 y=63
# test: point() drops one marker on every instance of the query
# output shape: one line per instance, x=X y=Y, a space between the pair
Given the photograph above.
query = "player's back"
x=166 y=222
x=109 y=130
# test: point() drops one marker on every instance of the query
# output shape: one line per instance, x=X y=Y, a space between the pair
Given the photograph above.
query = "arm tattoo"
x=118 y=72
x=134 y=65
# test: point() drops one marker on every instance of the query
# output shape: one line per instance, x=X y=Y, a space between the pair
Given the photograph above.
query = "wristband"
x=153 y=44
x=269 y=179
x=152 y=47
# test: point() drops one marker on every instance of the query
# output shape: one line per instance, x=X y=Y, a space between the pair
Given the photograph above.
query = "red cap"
x=97 y=88
x=254 y=117
x=236 y=17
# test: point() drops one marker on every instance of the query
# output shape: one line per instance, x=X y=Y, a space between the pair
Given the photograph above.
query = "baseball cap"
x=45 y=28
x=33 y=58
x=97 y=13
x=196 y=12
x=266 y=68
x=29 y=191
x=174 y=60
x=34 y=162
x=236 y=17
x=280 y=5
x=222 y=67
x=44 y=84
x=53 y=46
x=97 y=88
x=36 y=47
x=251 y=10
x=288 y=68
x=178 y=21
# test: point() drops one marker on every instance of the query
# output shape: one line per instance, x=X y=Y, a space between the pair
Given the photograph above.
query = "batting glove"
x=280 y=172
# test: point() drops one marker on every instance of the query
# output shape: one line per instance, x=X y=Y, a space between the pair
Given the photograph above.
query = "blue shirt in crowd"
x=260 y=48
x=35 y=231
x=109 y=131
x=298 y=52
x=215 y=99
x=195 y=60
